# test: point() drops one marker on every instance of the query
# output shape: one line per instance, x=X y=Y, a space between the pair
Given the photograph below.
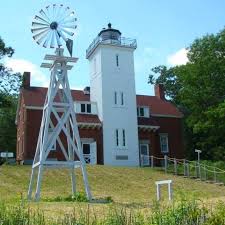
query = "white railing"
x=122 y=41
x=187 y=168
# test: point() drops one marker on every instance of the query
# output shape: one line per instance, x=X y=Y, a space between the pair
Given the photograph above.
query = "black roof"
x=109 y=29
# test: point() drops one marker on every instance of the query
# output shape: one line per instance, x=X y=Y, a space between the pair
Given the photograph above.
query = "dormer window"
x=143 y=111
x=86 y=107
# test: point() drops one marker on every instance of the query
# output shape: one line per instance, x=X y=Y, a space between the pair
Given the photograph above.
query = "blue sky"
x=162 y=28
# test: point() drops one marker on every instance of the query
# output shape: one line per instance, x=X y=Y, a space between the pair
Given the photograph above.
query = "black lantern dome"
x=110 y=33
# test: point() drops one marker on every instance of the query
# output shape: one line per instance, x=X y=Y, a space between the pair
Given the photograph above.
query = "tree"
x=198 y=89
x=9 y=88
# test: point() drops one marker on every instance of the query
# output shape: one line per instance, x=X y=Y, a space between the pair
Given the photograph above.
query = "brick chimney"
x=159 y=91
x=26 y=80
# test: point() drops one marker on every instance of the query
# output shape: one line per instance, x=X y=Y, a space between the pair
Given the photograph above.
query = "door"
x=86 y=152
x=144 y=152
x=89 y=152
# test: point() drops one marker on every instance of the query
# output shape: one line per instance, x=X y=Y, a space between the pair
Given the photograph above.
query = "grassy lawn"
x=133 y=188
x=124 y=185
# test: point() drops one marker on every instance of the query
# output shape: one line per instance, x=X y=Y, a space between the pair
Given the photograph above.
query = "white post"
x=165 y=163
x=205 y=172
x=175 y=166
x=199 y=169
x=196 y=171
x=185 y=168
x=214 y=174
x=158 y=192
x=188 y=169
x=152 y=161
x=170 y=191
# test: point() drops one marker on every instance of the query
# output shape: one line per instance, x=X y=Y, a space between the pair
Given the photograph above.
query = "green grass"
x=132 y=188
x=124 y=185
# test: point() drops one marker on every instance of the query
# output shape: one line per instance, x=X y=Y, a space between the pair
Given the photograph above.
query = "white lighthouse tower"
x=112 y=86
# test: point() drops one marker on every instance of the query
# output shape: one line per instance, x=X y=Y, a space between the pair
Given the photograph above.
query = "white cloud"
x=22 y=65
x=178 y=58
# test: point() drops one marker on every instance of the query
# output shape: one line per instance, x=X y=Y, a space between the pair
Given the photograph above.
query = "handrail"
x=181 y=161
x=122 y=41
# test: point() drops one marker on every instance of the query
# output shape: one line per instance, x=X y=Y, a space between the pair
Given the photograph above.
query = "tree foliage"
x=198 y=89
x=9 y=88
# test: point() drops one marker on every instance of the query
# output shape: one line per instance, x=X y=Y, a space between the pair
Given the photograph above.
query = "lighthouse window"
x=122 y=99
x=117 y=137
x=115 y=98
x=117 y=60
x=124 y=137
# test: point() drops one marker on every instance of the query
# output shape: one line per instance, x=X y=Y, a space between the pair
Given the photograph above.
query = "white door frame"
x=145 y=161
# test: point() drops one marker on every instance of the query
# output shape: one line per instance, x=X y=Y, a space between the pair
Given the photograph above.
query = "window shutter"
x=77 y=107
x=146 y=112
x=94 y=109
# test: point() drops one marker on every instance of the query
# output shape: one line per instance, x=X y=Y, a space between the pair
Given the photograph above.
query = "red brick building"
x=159 y=125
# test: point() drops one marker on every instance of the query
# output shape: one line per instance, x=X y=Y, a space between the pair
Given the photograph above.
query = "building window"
x=115 y=98
x=119 y=98
x=83 y=108
x=88 y=108
x=143 y=111
x=117 y=137
x=164 y=143
x=124 y=137
x=86 y=149
x=120 y=138
x=117 y=60
x=122 y=99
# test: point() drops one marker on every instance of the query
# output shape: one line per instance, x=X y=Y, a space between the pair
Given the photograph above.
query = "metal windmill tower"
x=51 y=27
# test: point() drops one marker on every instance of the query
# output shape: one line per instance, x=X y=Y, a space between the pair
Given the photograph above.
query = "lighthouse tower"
x=112 y=86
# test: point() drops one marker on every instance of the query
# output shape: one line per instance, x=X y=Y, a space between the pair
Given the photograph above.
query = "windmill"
x=52 y=28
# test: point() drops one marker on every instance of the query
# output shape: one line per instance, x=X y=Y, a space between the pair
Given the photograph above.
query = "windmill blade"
x=53 y=11
x=35 y=30
x=41 y=19
x=57 y=39
x=69 y=21
x=52 y=44
x=67 y=14
x=47 y=11
x=36 y=36
x=62 y=35
x=67 y=32
x=41 y=39
x=45 y=44
x=58 y=14
x=42 y=12
x=34 y=24
x=70 y=26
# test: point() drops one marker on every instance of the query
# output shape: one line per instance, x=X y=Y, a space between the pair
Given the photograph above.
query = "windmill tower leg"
x=72 y=170
x=39 y=179
x=29 y=195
